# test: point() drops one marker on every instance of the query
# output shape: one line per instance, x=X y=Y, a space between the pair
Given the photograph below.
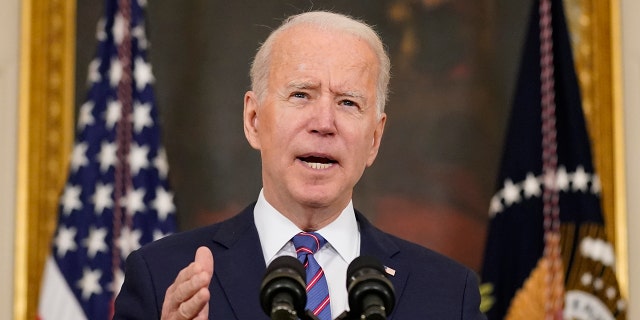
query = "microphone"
x=371 y=294
x=282 y=294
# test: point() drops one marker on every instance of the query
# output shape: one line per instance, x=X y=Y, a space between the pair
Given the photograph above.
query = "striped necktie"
x=308 y=243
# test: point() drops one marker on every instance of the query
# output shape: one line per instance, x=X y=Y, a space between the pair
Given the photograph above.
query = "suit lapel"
x=239 y=265
x=380 y=245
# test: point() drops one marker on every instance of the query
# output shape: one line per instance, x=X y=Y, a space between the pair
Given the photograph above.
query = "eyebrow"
x=353 y=94
x=312 y=84
x=304 y=84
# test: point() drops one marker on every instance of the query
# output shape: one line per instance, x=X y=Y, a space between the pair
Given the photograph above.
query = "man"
x=316 y=114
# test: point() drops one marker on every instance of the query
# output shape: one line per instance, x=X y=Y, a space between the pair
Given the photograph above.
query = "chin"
x=319 y=198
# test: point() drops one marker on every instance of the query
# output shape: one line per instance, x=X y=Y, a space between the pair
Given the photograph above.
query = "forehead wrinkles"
x=305 y=42
x=305 y=57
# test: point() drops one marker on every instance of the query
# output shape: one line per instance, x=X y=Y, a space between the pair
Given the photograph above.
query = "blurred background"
x=454 y=63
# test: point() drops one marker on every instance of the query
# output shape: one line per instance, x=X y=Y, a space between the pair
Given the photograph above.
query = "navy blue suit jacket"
x=427 y=284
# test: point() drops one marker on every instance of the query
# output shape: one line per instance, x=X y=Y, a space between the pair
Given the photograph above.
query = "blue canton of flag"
x=117 y=197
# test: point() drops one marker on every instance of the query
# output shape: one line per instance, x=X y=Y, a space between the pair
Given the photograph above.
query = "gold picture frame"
x=47 y=64
x=47 y=108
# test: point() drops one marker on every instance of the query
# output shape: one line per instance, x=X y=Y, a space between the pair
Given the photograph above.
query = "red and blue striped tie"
x=308 y=243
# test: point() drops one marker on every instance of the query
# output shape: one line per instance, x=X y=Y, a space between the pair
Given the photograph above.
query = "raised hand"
x=188 y=296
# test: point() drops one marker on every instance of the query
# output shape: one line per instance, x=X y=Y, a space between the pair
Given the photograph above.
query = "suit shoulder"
x=188 y=241
x=426 y=258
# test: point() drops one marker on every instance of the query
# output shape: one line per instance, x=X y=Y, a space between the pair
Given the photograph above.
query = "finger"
x=203 y=262
x=204 y=259
x=187 y=289
x=204 y=313
x=183 y=276
x=188 y=296
x=194 y=306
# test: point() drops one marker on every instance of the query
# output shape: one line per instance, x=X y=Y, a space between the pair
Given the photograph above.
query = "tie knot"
x=308 y=242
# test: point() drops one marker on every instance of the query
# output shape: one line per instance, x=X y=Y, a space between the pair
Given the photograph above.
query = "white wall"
x=631 y=94
x=9 y=56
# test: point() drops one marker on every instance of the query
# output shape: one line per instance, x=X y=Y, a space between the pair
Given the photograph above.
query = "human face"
x=317 y=127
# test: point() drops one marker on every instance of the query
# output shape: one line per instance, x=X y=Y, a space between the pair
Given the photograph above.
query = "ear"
x=250 y=119
x=377 y=138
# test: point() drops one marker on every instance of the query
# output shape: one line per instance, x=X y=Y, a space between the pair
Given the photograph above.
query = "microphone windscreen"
x=283 y=288
x=287 y=262
x=360 y=263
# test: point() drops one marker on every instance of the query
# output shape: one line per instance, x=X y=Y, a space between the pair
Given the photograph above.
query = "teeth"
x=316 y=165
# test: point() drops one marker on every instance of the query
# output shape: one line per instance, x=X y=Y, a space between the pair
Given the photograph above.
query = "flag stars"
x=118 y=29
x=65 y=240
x=511 y=192
x=128 y=241
x=562 y=179
x=113 y=114
x=495 y=206
x=115 y=72
x=102 y=197
x=85 y=117
x=79 y=156
x=111 y=136
x=93 y=76
x=101 y=35
x=611 y=293
x=95 y=241
x=142 y=116
x=134 y=201
x=160 y=162
x=580 y=180
x=596 y=187
x=107 y=156
x=71 y=199
x=89 y=284
x=138 y=158
x=531 y=186
x=142 y=73
x=163 y=203
x=139 y=33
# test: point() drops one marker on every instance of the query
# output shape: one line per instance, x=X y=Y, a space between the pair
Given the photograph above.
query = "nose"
x=323 y=117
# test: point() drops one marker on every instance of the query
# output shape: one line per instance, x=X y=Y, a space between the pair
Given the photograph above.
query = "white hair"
x=331 y=21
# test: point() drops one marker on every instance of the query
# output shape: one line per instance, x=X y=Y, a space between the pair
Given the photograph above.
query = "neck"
x=312 y=221
x=307 y=217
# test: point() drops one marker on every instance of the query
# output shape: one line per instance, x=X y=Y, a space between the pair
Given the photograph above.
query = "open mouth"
x=318 y=162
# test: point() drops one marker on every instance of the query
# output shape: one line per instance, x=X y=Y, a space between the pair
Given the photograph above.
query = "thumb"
x=204 y=258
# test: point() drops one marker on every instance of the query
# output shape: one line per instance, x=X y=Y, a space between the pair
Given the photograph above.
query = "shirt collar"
x=275 y=230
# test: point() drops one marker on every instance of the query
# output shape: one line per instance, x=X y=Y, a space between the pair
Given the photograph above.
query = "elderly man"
x=316 y=114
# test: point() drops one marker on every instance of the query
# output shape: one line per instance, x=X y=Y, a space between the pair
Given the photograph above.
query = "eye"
x=348 y=103
x=299 y=95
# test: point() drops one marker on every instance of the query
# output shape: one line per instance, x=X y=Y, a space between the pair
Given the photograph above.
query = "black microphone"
x=282 y=294
x=371 y=294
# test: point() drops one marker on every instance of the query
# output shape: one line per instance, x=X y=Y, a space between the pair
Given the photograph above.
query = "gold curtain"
x=47 y=52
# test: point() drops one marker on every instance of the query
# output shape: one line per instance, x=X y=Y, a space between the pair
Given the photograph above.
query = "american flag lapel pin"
x=390 y=271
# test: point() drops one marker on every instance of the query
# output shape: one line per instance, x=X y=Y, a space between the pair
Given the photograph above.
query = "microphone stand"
x=344 y=316
x=308 y=315
x=348 y=316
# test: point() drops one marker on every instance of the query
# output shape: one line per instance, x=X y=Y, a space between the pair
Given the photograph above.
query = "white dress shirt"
x=343 y=245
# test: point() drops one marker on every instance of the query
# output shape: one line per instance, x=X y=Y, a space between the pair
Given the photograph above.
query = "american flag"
x=547 y=255
x=117 y=197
